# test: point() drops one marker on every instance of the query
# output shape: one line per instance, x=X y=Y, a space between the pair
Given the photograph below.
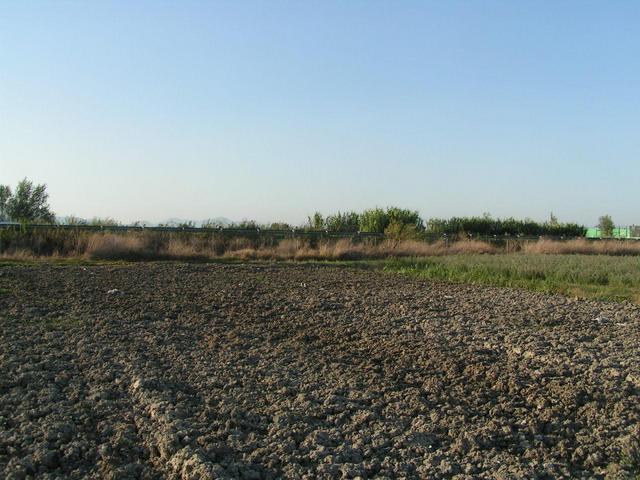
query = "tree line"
x=488 y=226
x=28 y=203
x=393 y=218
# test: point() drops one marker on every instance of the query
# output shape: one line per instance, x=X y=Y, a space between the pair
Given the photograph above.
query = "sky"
x=271 y=110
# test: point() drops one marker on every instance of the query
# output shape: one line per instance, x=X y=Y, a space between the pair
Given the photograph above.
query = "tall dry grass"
x=115 y=247
x=343 y=249
x=143 y=247
x=19 y=255
x=148 y=246
x=585 y=247
x=159 y=246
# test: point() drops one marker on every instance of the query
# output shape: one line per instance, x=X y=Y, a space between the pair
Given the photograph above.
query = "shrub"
x=343 y=222
x=397 y=231
x=489 y=226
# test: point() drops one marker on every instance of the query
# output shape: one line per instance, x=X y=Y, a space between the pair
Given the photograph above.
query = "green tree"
x=104 y=222
x=28 y=203
x=377 y=219
x=5 y=195
x=374 y=220
x=397 y=231
x=342 y=222
x=316 y=222
x=606 y=225
x=248 y=224
x=407 y=217
x=280 y=226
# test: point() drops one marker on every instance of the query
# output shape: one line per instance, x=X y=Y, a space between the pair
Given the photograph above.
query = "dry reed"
x=585 y=247
x=116 y=247
x=150 y=246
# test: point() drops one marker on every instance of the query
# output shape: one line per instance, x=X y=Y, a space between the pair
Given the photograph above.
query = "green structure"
x=619 y=232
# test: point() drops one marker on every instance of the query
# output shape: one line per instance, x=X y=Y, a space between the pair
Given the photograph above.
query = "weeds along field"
x=602 y=269
x=189 y=246
x=582 y=246
x=603 y=277
x=154 y=245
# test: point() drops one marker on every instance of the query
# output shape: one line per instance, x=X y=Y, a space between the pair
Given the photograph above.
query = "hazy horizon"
x=271 y=111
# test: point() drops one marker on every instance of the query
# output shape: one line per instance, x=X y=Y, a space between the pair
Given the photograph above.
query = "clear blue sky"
x=270 y=110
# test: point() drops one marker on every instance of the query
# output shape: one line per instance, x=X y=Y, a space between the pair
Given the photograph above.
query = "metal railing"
x=283 y=233
x=230 y=231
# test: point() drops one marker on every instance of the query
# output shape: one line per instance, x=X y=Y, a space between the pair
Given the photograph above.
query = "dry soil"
x=308 y=371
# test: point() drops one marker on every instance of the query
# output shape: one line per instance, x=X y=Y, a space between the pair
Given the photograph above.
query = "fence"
x=280 y=233
x=229 y=231
x=46 y=239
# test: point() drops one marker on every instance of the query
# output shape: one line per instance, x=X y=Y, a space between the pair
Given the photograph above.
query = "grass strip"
x=599 y=277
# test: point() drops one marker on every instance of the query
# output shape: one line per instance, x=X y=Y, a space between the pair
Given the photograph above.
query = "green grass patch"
x=600 y=277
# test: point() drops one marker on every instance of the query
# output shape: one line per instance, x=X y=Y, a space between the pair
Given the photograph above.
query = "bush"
x=378 y=220
x=343 y=222
x=398 y=231
x=489 y=226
